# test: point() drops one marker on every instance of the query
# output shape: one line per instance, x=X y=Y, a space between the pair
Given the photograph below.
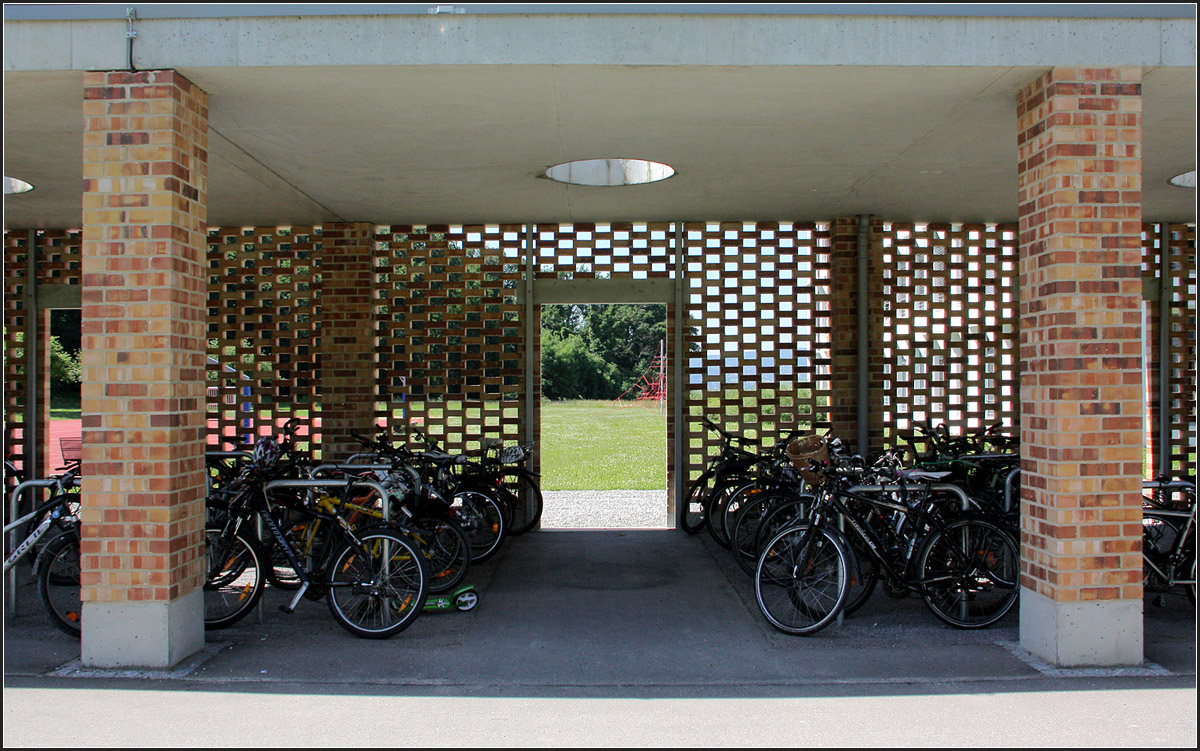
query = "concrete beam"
x=597 y=39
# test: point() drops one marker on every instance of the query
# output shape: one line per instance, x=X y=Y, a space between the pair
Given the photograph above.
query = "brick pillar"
x=843 y=413
x=1079 y=137
x=145 y=175
x=347 y=344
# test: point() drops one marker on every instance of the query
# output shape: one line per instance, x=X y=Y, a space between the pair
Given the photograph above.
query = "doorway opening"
x=65 y=425
x=604 y=416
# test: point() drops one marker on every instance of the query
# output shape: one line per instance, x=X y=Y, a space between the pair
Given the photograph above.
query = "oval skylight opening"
x=609 y=172
x=13 y=185
x=1186 y=180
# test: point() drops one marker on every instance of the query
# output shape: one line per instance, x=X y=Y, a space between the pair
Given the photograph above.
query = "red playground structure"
x=652 y=386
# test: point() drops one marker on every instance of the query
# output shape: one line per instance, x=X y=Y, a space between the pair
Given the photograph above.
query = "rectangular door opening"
x=604 y=416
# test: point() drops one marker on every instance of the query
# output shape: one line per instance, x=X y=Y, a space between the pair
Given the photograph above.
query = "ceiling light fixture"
x=609 y=172
x=13 y=185
x=1186 y=180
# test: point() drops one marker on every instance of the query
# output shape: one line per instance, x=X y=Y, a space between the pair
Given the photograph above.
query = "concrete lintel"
x=597 y=39
x=142 y=634
x=1097 y=633
x=52 y=296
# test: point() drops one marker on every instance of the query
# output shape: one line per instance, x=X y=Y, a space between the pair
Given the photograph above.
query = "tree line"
x=598 y=351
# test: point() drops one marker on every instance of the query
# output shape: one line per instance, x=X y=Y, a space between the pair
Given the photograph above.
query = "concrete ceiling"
x=467 y=143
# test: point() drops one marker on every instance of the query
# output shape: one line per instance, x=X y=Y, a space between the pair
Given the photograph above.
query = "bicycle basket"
x=803 y=451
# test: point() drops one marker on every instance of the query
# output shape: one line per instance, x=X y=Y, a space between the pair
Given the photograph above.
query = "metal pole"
x=1164 y=350
x=679 y=353
x=862 y=253
x=530 y=333
x=32 y=450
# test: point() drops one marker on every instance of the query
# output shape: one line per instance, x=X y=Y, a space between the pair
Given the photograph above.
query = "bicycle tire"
x=783 y=515
x=714 y=506
x=866 y=574
x=378 y=595
x=58 y=583
x=743 y=495
x=802 y=579
x=970 y=573
x=482 y=518
x=692 y=519
x=527 y=499
x=447 y=553
x=235 y=578
x=743 y=536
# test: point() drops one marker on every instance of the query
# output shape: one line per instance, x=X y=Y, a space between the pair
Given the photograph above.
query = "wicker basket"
x=803 y=451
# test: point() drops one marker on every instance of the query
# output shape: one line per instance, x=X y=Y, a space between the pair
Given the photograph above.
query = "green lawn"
x=595 y=445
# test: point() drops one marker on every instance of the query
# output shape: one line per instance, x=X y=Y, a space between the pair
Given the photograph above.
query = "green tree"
x=628 y=336
x=64 y=365
x=572 y=371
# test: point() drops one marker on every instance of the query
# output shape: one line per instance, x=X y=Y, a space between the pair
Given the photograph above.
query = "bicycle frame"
x=834 y=499
x=1176 y=571
x=53 y=511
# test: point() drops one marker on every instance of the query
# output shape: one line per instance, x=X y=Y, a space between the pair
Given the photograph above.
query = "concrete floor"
x=609 y=638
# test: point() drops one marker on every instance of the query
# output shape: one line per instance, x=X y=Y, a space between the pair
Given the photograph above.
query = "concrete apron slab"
x=591 y=612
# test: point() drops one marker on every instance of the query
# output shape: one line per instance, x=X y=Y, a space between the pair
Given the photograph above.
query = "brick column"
x=145 y=176
x=347 y=347
x=1082 y=443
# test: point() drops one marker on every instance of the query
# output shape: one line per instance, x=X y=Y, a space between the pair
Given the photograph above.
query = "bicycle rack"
x=11 y=530
x=1010 y=482
x=316 y=485
x=328 y=483
x=904 y=487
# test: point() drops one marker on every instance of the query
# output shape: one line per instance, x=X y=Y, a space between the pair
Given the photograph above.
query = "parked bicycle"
x=965 y=567
x=55 y=524
x=374 y=578
x=1169 y=537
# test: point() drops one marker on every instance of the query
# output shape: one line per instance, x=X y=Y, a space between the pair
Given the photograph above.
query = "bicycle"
x=56 y=565
x=374 y=578
x=1169 y=537
x=964 y=567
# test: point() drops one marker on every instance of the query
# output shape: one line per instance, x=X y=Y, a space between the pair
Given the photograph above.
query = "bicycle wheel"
x=58 y=583
x=866 y=574
x=235 y=578
x=743 y=495
x=378 y=591
x=743 y=535
x=783 y=515
x=693 y=514
x=802 y=579
x=447 y=553
x=714 y=507
x=527 y=499
x=482 y=518
x=970 y=573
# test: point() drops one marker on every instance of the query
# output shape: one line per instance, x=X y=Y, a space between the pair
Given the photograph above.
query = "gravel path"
x=606 y=509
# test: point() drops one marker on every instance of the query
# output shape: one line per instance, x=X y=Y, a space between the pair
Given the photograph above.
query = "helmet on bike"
x=266 y=452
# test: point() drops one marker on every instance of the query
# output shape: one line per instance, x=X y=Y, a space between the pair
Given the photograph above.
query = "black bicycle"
x=374 y=578
x=56 y=564
x=1169 y=537
x=965 y=567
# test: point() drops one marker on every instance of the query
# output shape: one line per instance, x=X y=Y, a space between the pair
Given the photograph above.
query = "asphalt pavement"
x=604 y=638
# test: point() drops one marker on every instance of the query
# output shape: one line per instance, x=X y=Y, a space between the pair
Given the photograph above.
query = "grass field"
x=595 y=445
